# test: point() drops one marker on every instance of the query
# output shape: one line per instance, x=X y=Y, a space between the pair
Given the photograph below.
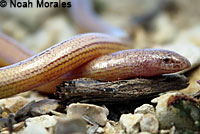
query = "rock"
x=35 y=128
x=164 y=131
x=112 y=127
x=45 y=121
x=32 y=95
x=164 y=116
x=13 y=104
x=92 y=129
x=144 y=109
x=149 y=123
x=43 y=107
x=100 y=130
x=168 y=131
x=95 y=113
x=130 y=122
x=33 y=109
x=19 y=127
x=70 y=125
x=24 y=112
x=179 y=110
x=109 y=129
x=194 y=86
x=144 y=133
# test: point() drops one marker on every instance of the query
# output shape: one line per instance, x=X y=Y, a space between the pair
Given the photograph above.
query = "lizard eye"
x=166 y=60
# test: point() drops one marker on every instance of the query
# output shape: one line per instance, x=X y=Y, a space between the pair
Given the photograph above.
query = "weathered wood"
x=84 y=90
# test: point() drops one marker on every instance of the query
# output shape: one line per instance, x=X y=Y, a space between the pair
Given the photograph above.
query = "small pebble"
x=112 y=127
x=95 y=113
x=70 y=126
x=35 y=128
x=144 y=109
x=149 y=123
x=100 y=130
x=168 y=131
x=130 y=122
x=144 y=133
x=164 y=116
x=45 y=121
x=164 y=131
x=179 y=110
x=13 y=104
x=43 y=107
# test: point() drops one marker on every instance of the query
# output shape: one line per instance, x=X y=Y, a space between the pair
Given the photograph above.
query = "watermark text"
x=35 y=4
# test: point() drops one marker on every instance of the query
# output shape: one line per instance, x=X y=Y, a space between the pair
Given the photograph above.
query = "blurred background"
x=170 y=24
x=147 y=22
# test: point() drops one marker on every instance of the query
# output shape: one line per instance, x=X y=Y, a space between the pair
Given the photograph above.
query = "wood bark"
x=88 y=90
